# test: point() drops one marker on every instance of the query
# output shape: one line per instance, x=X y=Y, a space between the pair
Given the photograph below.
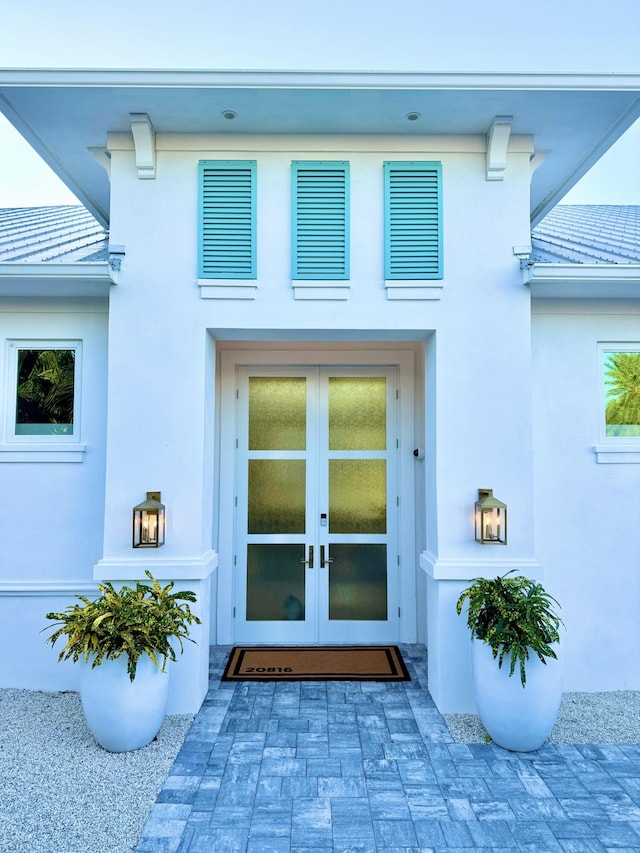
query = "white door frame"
x=230 y=360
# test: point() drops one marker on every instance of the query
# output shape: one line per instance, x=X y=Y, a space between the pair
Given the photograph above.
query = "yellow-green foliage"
x=512 y=615
x=622 y=379
x=132 y=621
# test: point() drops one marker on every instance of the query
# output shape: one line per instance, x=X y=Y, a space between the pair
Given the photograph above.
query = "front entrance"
x=316 y=518
x=316 y=482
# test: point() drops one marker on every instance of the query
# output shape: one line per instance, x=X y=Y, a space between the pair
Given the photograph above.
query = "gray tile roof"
x=573 y=234
x=588 y=234
x=65 y=234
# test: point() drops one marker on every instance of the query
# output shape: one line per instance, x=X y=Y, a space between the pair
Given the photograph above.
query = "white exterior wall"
x=587 y=529
x=161 y=354
x=474 y=412
x=51 y=523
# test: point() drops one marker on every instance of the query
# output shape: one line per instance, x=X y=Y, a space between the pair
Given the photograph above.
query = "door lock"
x=324 y=561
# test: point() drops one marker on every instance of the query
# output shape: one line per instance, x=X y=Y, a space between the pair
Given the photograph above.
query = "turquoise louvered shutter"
x=227 y=219
x=320 y=220
x=413 y=220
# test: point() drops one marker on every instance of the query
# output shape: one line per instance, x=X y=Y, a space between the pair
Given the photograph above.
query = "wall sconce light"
x=491 y=519
x=149 y=522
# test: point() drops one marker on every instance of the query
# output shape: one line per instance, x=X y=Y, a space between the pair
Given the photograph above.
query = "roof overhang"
x=91 y=279
x=583 y=281
x=573 y=118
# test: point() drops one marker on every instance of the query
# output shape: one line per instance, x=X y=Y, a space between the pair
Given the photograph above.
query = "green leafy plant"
x=132 y=620
x=513 y=615
x=45 y=386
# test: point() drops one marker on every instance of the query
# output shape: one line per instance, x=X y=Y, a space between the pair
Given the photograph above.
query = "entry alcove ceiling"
x=573 y=118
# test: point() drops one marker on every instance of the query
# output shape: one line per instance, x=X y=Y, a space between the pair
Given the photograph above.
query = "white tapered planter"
x=516 y=717
x=124 y=715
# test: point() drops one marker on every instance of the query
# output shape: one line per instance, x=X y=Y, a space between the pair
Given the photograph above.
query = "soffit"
x=573 y=119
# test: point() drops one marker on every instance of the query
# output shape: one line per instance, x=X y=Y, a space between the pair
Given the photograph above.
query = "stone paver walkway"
x=353 y=767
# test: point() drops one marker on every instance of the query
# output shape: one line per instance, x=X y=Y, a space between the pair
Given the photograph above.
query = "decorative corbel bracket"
x=144 y=139
x=497 y=146
x=116 y=256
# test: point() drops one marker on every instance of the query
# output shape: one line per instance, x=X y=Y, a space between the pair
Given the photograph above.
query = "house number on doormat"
x=268 y=669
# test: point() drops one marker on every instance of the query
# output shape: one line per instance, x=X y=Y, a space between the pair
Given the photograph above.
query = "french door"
x=316 y=557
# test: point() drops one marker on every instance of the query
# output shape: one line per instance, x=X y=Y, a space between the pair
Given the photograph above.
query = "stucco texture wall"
x=587 y=532
x=51 y=524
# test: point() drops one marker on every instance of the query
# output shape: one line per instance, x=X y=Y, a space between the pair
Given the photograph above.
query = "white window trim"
x=223 y=288
x=39 y=448
x=623 y=449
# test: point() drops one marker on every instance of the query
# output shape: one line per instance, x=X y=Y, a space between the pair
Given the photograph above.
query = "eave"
x=317 y=79
x=59 y=280
x=583 y=281
x=66 y=114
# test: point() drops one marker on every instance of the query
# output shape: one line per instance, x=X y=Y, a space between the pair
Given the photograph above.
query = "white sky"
x=615 y=178
x=419 y=35
x=413 y=35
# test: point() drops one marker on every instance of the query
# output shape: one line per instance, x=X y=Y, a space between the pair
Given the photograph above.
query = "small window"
x=621 y=370
x=618 y=403
x=621 y=380
x=44 y=391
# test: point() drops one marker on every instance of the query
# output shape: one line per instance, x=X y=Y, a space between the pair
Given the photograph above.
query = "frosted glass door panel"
x=316 y=510
x=275 y=583
x=277 y=412
x=358 y=437
x=277 y=490
x=357 y=413
x=358 y=582
x=357 y=496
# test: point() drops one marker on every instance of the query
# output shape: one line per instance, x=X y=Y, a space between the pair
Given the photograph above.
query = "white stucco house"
x=312 y=316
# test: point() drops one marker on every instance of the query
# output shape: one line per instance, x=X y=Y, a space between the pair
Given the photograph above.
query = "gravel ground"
x=584 y=718
x=62 y=793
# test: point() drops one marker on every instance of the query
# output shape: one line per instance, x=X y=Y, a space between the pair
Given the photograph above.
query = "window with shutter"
x=227 y=219
x=413 y=220
x=320 y=220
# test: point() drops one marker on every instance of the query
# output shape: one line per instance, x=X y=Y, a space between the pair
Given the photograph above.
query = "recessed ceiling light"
x=413 y=116
x=229 y=114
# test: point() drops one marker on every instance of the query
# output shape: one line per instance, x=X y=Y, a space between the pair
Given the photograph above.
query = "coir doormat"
x=316 y=663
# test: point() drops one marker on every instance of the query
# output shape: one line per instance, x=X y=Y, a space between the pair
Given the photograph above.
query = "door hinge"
x=398 y=612
x=398 y=559
x=235 y=559
x=397 y=394
x=236 y=443
x=234 y=613
x=236 y=500
x=398 y=500
x=237 y=394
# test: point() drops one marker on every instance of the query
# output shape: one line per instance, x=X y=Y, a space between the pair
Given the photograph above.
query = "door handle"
x=309 y=562
x=324 y=561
